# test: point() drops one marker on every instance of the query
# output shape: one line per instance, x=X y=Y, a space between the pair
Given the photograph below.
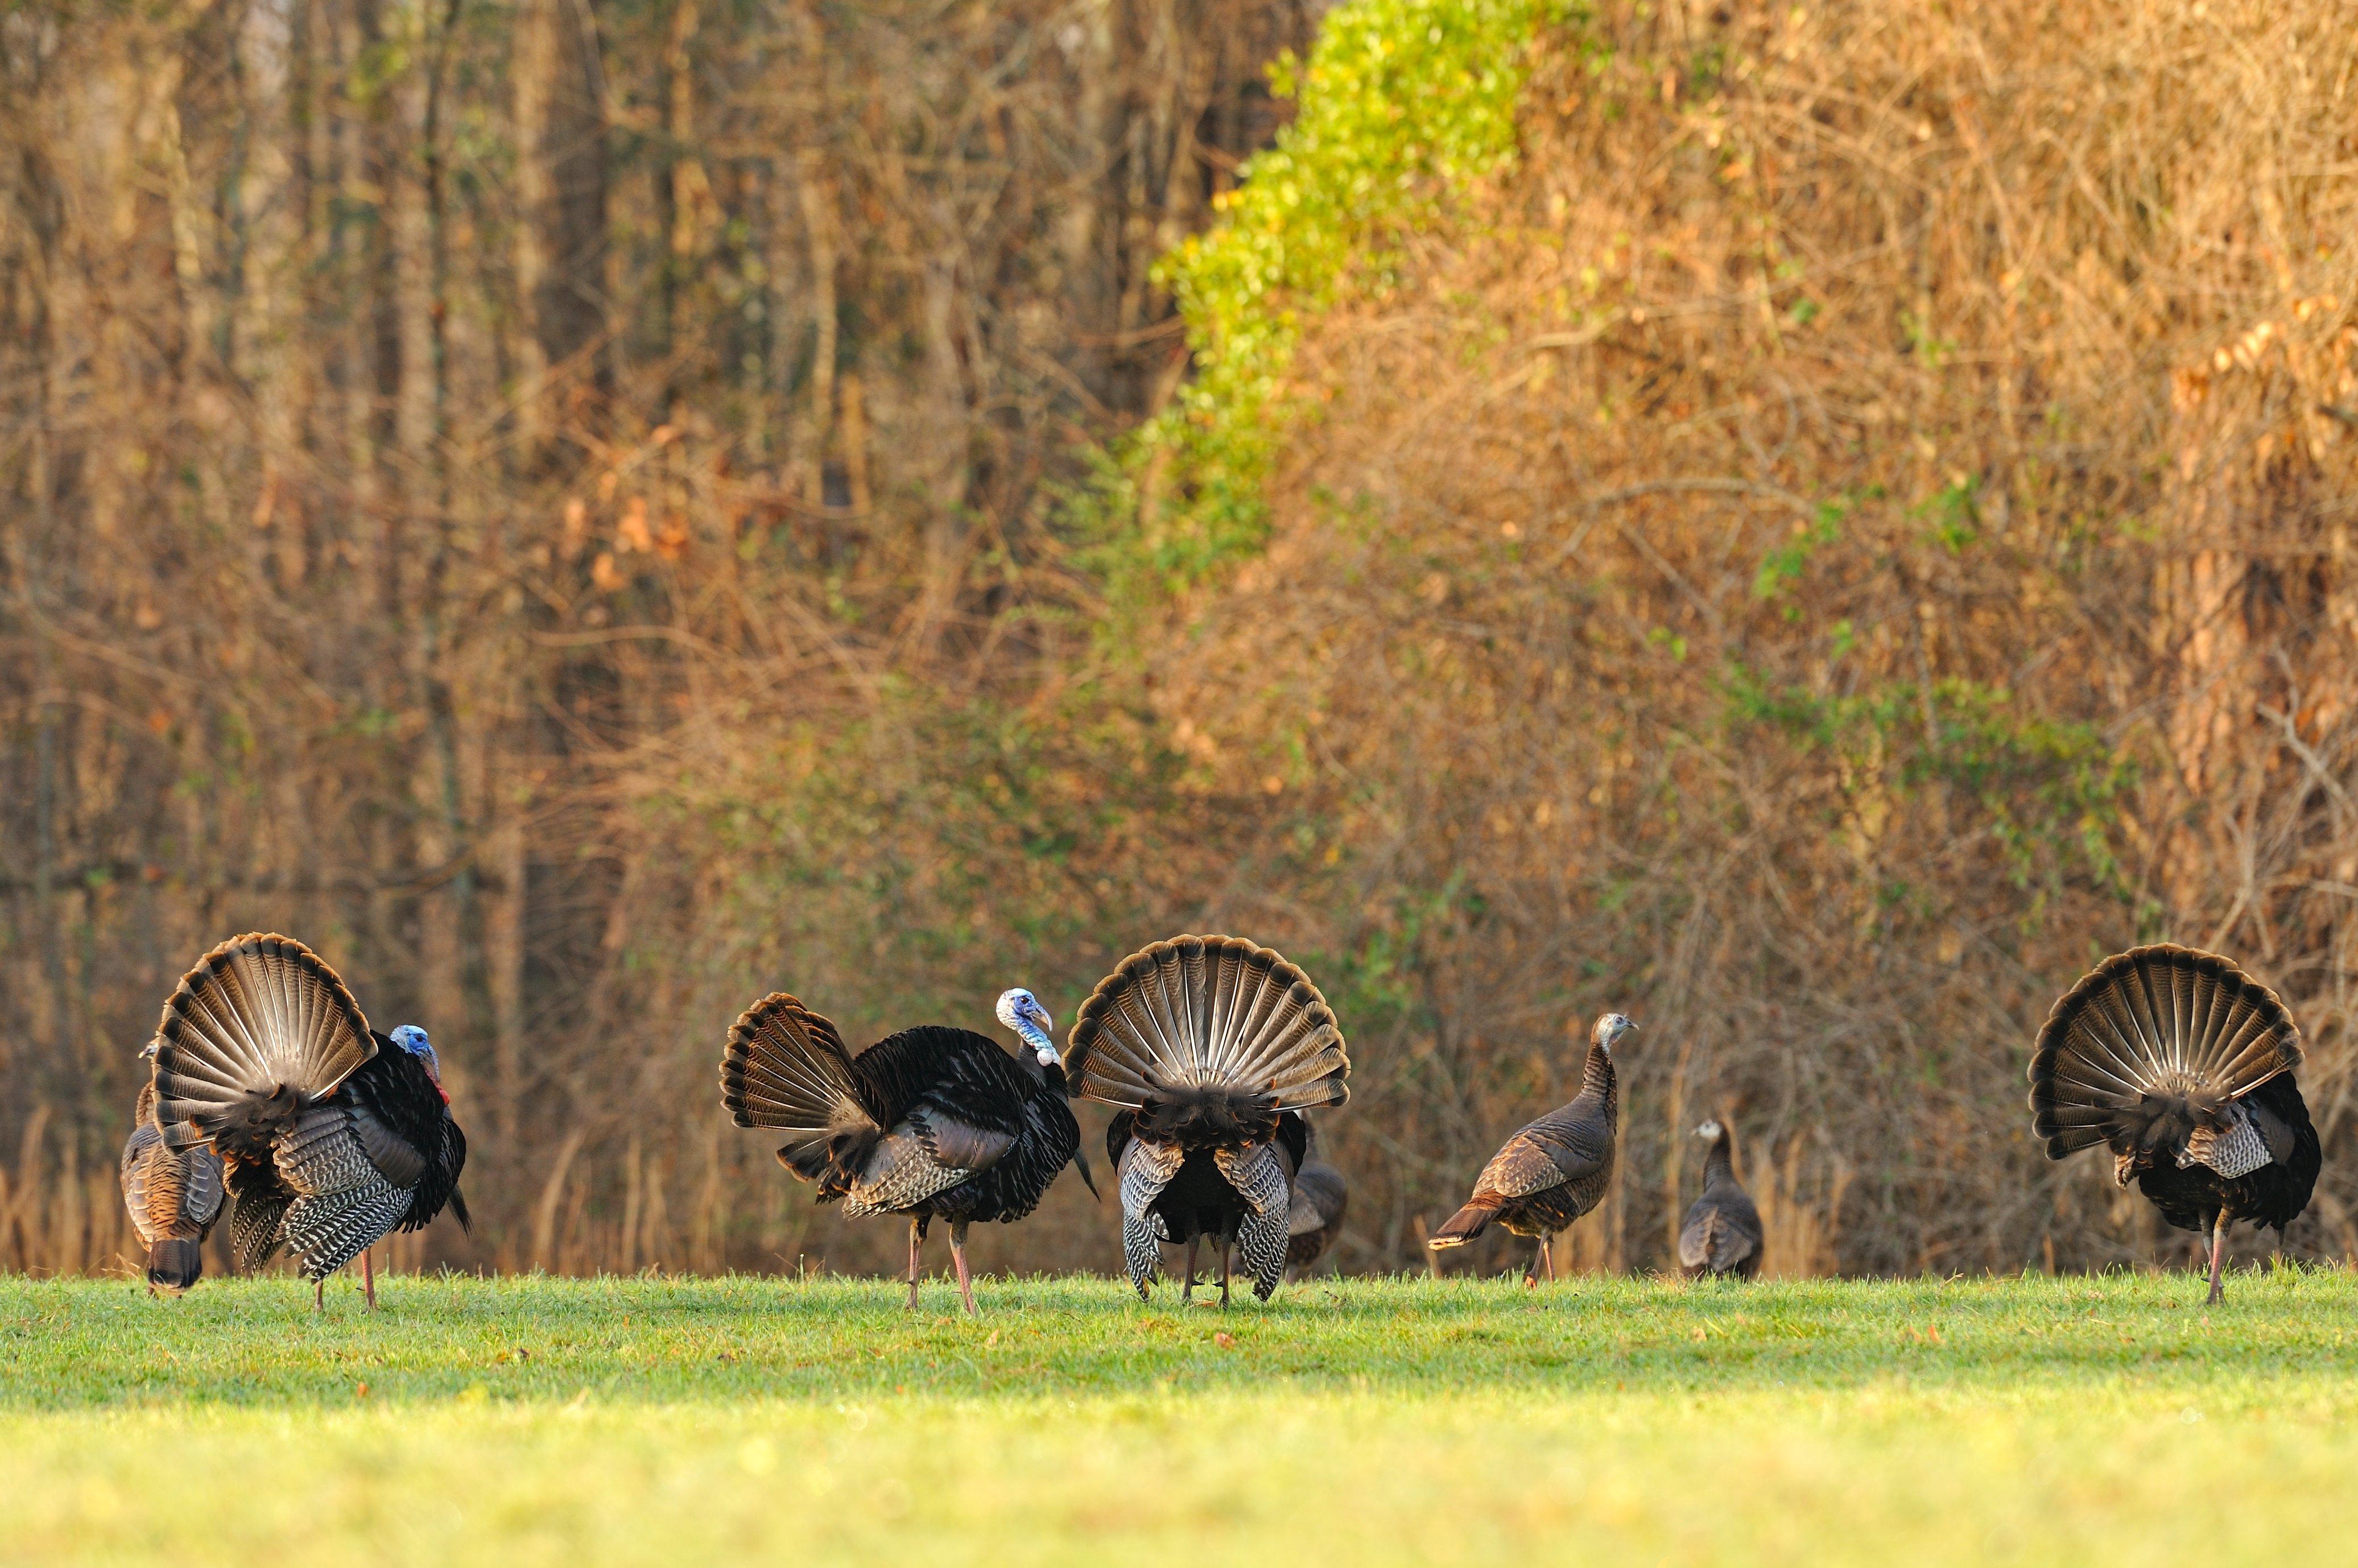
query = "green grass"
x=527 y=1422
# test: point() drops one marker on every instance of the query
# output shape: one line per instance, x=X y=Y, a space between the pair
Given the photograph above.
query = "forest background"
x=1805 y=523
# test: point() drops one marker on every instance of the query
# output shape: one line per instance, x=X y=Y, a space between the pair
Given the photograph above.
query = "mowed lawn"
x=530 y=1421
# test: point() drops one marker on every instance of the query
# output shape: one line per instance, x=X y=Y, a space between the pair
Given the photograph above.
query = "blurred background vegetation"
x=1806 y=525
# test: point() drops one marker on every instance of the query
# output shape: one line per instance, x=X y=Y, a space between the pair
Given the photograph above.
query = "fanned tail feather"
x=784 y=1067
x=258 y=1028
x=1210 y=1029
x=2152 y=1043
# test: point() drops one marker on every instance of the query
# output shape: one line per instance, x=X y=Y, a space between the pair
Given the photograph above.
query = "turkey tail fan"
x=784 y=1067
x=2149 y=1026
x=175 y=1263
x=1209 y=1027
x=261 y=1027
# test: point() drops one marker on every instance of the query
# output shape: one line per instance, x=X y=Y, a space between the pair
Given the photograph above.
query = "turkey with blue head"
x=2182 y=1065
x=332 y=1136
x=932 y=1122
x=1210 y=1049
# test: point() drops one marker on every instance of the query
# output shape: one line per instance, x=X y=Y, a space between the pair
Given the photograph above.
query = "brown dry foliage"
x=1851 y=531
x=446 y=449
x=1721 y=583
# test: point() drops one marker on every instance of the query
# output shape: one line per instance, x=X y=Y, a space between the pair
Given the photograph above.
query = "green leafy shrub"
x=1404 y=104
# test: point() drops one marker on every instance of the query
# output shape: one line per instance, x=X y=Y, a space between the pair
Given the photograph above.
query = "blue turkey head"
x=1022 y=1012
x=1610 y=1027
x=412 y=1039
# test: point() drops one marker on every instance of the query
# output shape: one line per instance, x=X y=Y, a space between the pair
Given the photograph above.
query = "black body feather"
x=2272 y=1197
x=1199 y=1202
x=974 y=1079
x=393 y=1087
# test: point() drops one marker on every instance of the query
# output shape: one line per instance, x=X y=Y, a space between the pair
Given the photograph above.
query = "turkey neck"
x=1719 y=1160
x=1597 y=1077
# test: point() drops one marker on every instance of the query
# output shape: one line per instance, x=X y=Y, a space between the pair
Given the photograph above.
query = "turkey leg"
x=319 y=1294
x=1224 y=1273
x=2218 y=1248
x=368 y=1278
x=1187 y=1290
x=957 y=1257
x=916 y=1234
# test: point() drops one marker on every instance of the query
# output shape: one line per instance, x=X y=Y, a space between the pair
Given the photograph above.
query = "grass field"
x=531 y=1422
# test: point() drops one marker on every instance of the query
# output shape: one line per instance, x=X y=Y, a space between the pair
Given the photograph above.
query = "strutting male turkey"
x=1722 y=1234
x=931 y=1121
x=1556 y=1169
x=1314 y=1212
x=1208 y=1048
x=2182 y=1065
x=174 y=1197
x=332 y=1136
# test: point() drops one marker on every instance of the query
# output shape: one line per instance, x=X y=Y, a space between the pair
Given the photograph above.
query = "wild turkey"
x=332 y=1136
x=931 y=1121
x=174 y=1198
x=2183 y=1065
x=1555 y=1170
x=1721 y=1233
x=1314 y=1211
x=1208 y=1047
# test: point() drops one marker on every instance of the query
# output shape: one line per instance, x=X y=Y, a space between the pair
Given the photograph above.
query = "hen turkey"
x=931 y=1121
x=1209 y=1048
x=174 y=1197
x=332 y=1136
x=2182 y=1065
x=1722 y=1234
x=1314 y=1213
x=1556 y=1169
